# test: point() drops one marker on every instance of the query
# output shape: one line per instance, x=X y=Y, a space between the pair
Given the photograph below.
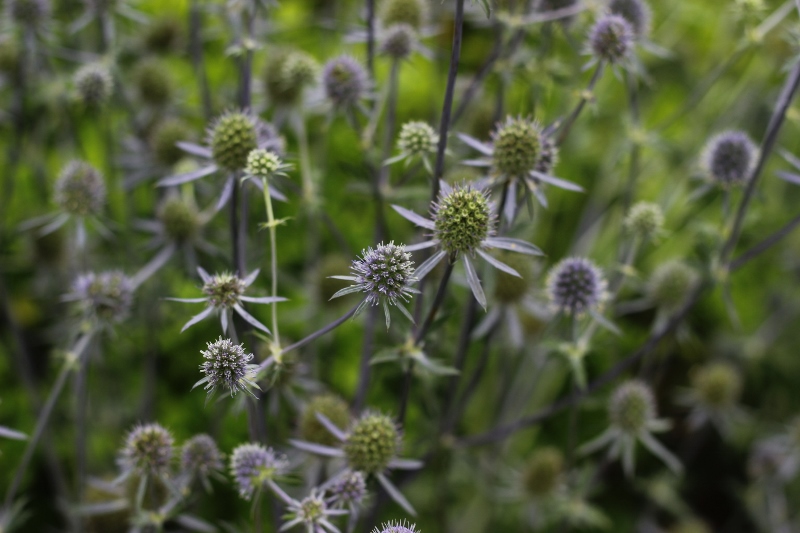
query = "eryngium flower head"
x=80 y=189
x=311 y=511
x=345 y=81
x=333 y=408
x=164 y=140
x=517 y=147
x=462 y=220
x=411 y=12
x=576 y=285
x=288 y=74
x=543 y=471
x=152 y=81
x=147 y=450
x=94 y=84
x=631 y=407
x=510 y=289
x=224 y=290
x=396 y=527
x=252 y=465
x=200 y=456
x=729 y=158
x=717 y=385
x=263 y=164
x=107 y=296
x=180 y=219
x=611 y=39
x=227 y=365
x=348 y=490
x=417 y=138
x=232 y=137
x=670 y=284
x=398 y=41
x=163 y=35
x=31 y=13
x=372 y=442
x=636 y=12
x=645 y=220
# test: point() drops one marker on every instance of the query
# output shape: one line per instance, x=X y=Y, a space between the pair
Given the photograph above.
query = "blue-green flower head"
x=463 y=220
x=729 y=158
x=148 y=450
x=232 y=137
x=253 y=465
x=576 y=285
x=94 y=84
x=80 y=190
x=632 y=407
x=636 y=12
x=611 y=39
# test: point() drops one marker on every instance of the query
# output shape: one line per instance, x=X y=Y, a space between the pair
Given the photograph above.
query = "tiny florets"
x=333 y=408
x=80 y=189
x=462 y=220
x=636 y=12
x=385 y=272
x=227 y=365
x=148 y=450
x=349 y=489
x=232 y=137
x=224 y=290
x=396 y=527
x=372 y=442
x=729 y=158
x=310 y=510
x=576 y=285
x=94 y=84
x=632 y=407
x=517 y=148
x=543 y=471
x=288 y=74
x=179 y=218
x=645 y=220
x=345 y=81
x=398 y=41
x=670 y=284
x=107 y=296
x=263 y=163
x=611 y=39
x=417 y=138
x=152 y=81
x=200 y=456
x=411 y=12
x=717 y=385
x=252 y=465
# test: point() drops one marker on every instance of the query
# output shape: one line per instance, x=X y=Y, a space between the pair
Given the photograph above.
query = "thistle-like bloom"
x=462 y=224
x=345 y=81
x=224 y=294
x=632 y=413
x=201 y=458
x=399 y=41
x=369 y=446
x=255 y=467
x=636 y=12
x=384 y=275
x=576 y=285
x=106 y=297
x=417 y=141
x=520 y=158
x=265 y=164
x=645 y=220
x=227 y=366
x=288 y=74
x=411 y=12
x=80 y=190
x=729 y=158
x=152 y=81
x=543 y=472
x=148 y=450
x=396 y=527
x=94 y=84
x=611 y=39
x=347 y=490
x=714 y=396
x=312 y=512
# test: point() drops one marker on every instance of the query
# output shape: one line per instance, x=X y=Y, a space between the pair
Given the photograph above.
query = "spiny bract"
x=223 y=290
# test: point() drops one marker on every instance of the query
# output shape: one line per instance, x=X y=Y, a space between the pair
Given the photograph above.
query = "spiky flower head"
x=107 y=296
x=517 y=147
x=163 y=34
x=729 y=158
x=411 y=12
x=252 y=465
x=289 y=73
x=385 y=272
x=417 y=138
x=462 y=219
x=148 y=450
x=398 y=41
x=232 y=137
x=94 y=84
x=309 y=511
x=31 y=13
x=576 y=285
x=224 y=290
x=227 y=365
x=263 y=164
x=670 y=284
x=510 y=289
x=151 y=78
x=632 y=407
x=396 y=527
x=373 y=441
x=636 y=12
x=345 y=81
x=164 y=140
x=333 y=408
x=718 y=385
x=200 y=456
x=349 y=489
x=80 y=190
x=179 y=218
x=645 y=220
x=611 y=39
x=543 y=471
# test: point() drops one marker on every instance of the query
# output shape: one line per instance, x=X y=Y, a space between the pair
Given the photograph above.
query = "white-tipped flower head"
x=107 y=296
x=180 y=219
x=729 y=158
x=462 y=219
x=264 y=164
x=80 y=190
x=201 y=457
x=611 y=39
x=645 y=220
x=227 y=366
x=372 y=442
x=310 y=511
x=575 y=285
x=670 y=284
x=345 y=81
x=164 y=140
x=636 y=12
x=331 y=407
x=385 y=272
x=396 y=527
x=632 y=407
x=349 y=490
x=518 y=148
x=232 y=137
x=224 y=290
x=411 y=12
x=398 y=41
x=151 y=78
x=94 y=84
x=148 y=450
x=717 y=385
x=543 y=472
x=417 y=138
x=30 y=13
x=252 y=465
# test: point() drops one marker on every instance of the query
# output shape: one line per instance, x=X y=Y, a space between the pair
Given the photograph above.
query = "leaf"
x=12 y=434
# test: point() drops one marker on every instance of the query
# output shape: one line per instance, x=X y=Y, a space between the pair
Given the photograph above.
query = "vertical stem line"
x=273 y=261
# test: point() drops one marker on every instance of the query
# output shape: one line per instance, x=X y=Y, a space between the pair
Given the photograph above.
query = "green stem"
x=273 y=261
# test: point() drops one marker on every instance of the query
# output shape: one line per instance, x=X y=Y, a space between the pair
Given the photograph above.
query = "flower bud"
x=372 y=442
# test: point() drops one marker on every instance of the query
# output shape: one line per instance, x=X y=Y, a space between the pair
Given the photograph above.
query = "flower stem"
x=585 y=96
x=273 y=261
